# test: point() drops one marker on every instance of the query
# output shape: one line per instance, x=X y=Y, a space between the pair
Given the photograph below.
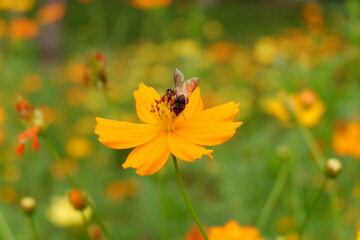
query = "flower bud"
x=24 y=109
x=333 y=167
x=95 y=232
x=28 y=205
x=77 y=199
x=95 y=72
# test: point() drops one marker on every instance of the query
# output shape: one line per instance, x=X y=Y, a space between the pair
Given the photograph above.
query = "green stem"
x=74 y=184
x=335 y=212
x=86 y=223
x=273 y=196
x=33 y=228
x=187 y=201
x=100 y=222
x=5 y=232
x=312 y=207
x=314 y=147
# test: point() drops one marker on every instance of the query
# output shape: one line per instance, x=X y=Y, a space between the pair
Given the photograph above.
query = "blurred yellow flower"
x=309 y=109
x=164 y=132
x=16 y=5
x=51 y=13
x=346 y=139
x=146 y=4
x=276 y=107
x=23 y=28
x=77 y=147
x=62 y=214
x=305 y=108
x=232 y=230
x=265 y=50
x=358 y=236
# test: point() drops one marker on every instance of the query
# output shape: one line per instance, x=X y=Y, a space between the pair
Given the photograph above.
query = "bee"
x=181 y=93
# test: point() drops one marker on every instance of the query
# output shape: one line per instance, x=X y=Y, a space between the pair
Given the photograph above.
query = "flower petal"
x=195 y=104
x=222 y=113
x=121 y=135
x=20 y=149
x=207 y=133
x=149 y=157
x=145 y=96
x=186 y=150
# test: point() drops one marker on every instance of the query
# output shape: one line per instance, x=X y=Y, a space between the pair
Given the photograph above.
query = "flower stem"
x=74 y=184
x=187 y=201
x=274 y=195
x=310 y=141
x=5 y=231
x=312 y=207
x=33 y=228
x=85 y=222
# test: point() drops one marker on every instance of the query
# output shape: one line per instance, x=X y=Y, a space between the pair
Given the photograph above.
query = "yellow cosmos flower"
x=305 y=107
x=232 y=230
x=163 y=132
x=346 y=139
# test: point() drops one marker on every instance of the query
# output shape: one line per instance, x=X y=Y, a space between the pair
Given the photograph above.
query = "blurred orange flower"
x=222 y=51
x=51 y=13
x=32 y=133
x=346 y=139
x=146 y=4
x=232 y=230
x=163 y=132
x=313 y=15
x=119 y=189
x=34 y=120
x=23 y=28
x=305 y=107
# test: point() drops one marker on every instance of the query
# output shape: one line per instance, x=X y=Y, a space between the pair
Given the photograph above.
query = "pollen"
x=162 y=110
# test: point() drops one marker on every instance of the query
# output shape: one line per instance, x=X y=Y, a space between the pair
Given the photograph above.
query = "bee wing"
x=178 y=79
x=189 y=86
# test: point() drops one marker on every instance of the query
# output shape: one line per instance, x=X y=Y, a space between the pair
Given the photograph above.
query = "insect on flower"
x=163 y=133
x=183 y=89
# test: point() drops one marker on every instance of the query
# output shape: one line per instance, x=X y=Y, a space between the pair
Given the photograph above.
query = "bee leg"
x=183 y=115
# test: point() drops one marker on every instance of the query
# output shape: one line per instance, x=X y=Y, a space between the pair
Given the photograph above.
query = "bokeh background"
x=292 y=65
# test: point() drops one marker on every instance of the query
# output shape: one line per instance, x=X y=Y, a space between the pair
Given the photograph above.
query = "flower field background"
x=290 y=172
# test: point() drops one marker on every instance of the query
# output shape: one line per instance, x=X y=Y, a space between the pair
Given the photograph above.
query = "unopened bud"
x=28 y=205
x=77 y=199
x=333 y=167
x=95 y=232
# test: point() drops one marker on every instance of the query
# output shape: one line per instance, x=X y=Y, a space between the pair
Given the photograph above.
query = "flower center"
x=163 y=111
